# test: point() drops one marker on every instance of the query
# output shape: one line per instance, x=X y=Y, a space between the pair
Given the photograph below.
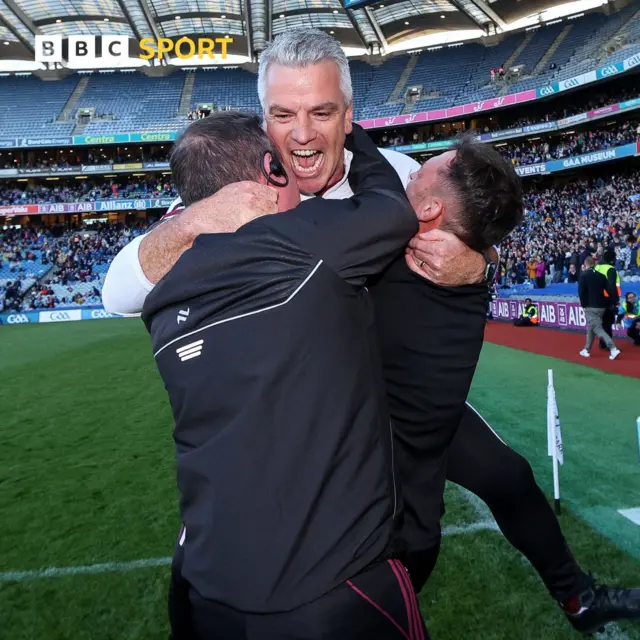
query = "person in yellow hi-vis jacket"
x=629 y=315
x=612 y=292
x=529 y=315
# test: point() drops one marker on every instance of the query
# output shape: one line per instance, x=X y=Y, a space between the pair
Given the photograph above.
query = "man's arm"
x=612 y=287
x=145 y=261
x=357 y=237
x=582 y=291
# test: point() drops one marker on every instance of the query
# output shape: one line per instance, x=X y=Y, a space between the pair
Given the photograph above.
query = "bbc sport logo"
x=114 y=49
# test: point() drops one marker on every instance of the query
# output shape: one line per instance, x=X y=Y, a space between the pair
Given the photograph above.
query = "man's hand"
x=224 y=212
x=230 y=208
x=442 y=258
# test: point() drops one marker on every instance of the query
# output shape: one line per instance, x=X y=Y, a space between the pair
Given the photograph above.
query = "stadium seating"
x=45 y=101
x=140 y=104
x=11 y=269
x=144 y=103
x=234 y=88
x=383 y=81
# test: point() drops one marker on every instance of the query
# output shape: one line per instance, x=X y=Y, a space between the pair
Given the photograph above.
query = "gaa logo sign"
x=83 y=50
x=611 y=70
x=18 y=318
x=98 y=314
x=633 y=61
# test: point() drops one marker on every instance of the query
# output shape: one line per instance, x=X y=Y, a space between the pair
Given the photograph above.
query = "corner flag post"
x=554 y=440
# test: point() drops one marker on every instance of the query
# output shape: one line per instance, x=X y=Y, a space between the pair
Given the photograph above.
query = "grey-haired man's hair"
x=302 y=48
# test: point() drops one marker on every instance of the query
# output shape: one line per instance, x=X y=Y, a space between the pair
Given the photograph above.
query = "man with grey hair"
x=291 y=68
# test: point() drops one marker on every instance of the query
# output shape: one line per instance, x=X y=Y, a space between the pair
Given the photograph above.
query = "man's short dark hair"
x=609 y=256
x=225 y=147
x=488 y=191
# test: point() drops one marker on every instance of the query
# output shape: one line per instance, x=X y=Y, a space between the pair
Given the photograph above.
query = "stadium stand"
x=383 y=81
x=86 y=191
x=235 y=88
x=530 y=152
x=45 y=99
x=520 y=152
x=564 y=224
x=65 y=271
x=46 y=268
x=153 y=103
x=142 y=103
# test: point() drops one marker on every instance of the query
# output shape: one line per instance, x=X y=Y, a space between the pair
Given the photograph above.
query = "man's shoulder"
x=404 y=165
x=399 y=160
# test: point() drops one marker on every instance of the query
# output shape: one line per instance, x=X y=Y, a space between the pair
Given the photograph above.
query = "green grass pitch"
x=87 y=478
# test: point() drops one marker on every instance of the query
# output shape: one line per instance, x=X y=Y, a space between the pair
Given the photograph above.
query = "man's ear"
x=266 y=164
x=348 y=119
x=431 y=211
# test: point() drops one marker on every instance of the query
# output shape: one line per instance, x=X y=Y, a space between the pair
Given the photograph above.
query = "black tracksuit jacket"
x=266 y=343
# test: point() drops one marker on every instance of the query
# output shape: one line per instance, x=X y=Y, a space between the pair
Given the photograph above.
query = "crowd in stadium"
x=566 y=224
x=563 y=226
x=75 y=260
x=605 y=98
x=86 y=191
x=531 y=152
x=521 y=153
x=65 y=159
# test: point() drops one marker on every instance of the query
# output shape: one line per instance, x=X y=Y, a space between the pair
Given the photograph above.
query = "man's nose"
x=304 y=133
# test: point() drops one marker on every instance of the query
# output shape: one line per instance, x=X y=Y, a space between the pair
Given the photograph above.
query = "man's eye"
x=322 y=114
x=281 y=117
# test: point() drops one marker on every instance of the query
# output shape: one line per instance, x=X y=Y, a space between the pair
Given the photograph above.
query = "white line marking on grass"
x=631 y=514
x=612 y=632
x=482 y=511
x=487 y=525
x=108 y=567
x=121 y=567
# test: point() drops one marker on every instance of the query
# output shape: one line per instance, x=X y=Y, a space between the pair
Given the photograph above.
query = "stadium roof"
x=380 y=26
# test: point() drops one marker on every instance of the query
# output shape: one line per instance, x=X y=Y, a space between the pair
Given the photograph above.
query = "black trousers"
x=634 y=332
x=377 y=604
x=523 y=322
x=430 y=339
x=482 y=463
x=179 y=603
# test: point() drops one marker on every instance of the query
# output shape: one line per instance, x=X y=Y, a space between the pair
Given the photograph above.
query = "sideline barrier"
x=55 y=315
x=559 y=315
x=141 y=204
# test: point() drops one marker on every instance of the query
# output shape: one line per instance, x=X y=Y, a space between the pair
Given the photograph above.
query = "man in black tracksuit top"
x=289 y=496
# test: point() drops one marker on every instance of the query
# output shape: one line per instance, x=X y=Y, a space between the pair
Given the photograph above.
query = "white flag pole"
x=551 y=434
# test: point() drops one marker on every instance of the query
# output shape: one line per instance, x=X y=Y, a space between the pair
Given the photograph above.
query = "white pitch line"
x=482 y=510
x=487 y=525
x=631 y=514
x=107 y=567
x=121 y=567
x=612 y=632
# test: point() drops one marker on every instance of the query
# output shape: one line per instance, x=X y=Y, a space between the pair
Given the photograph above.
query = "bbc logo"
x=82 y=50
